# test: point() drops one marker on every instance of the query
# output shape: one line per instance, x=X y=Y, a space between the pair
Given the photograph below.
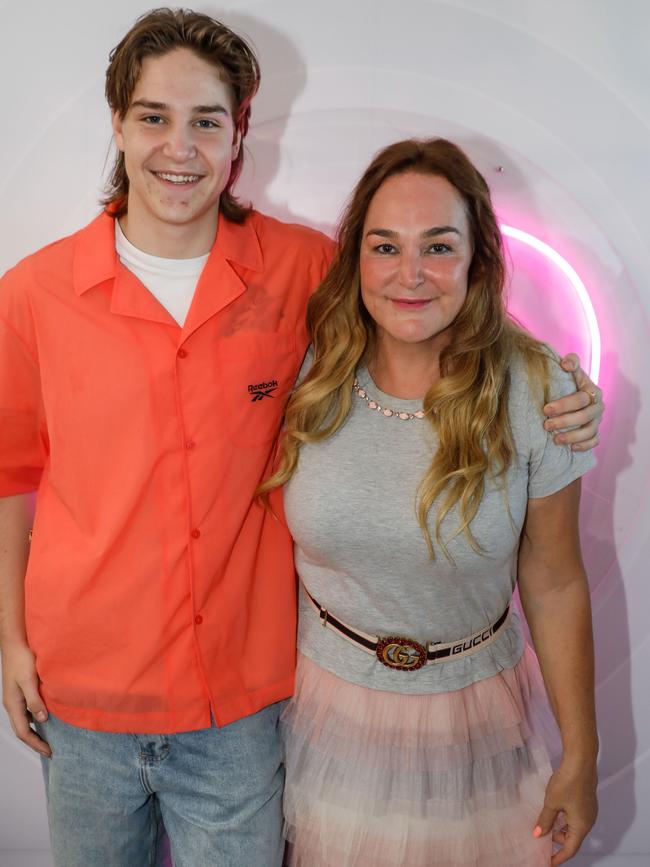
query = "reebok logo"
x=262 y=390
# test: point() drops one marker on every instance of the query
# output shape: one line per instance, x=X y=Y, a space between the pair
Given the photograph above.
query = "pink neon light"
x=578 y=286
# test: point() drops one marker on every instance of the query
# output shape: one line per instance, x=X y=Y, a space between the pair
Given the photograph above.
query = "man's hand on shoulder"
x=21 y=697
x=582 y=410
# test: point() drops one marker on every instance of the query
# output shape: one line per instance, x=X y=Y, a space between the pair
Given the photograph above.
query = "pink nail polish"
x=537 y=832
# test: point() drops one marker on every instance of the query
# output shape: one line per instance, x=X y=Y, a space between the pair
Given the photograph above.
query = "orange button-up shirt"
x=157 y=591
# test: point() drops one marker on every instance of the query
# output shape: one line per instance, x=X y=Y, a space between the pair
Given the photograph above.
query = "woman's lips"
x=410 y=303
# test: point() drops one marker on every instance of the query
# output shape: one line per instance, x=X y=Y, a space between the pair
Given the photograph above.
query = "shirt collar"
x=238 y=242
x=95 y=257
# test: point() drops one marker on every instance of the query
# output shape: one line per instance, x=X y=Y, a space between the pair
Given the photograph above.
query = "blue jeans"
x=218 y=792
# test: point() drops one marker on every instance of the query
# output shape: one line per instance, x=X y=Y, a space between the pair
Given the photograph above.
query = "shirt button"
x=190 y=444
x=195 y=534
x=198 y=620
x=182 y=353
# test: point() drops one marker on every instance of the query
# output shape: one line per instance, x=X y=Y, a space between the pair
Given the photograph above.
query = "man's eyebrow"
x=210 y=109
x=429 y=233
x=217 y=108
x=148 y=103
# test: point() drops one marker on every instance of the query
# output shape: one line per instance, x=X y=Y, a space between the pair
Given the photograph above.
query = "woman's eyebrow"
x=428 y=233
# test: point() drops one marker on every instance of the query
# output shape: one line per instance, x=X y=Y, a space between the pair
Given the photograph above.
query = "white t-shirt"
x=171 y=281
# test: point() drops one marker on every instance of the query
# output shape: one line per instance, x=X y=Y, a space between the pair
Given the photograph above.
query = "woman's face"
x=415 y=255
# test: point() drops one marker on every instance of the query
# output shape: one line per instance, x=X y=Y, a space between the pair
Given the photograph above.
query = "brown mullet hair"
x=156 y=33
x=468 y=405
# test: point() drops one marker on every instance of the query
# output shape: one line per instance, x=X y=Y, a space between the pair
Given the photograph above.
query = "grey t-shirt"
x=360 y=552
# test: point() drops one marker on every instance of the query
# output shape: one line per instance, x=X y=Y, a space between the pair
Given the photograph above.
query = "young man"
x=144 y=365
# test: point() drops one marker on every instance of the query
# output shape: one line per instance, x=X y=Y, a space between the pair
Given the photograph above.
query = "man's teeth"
x=178 y=179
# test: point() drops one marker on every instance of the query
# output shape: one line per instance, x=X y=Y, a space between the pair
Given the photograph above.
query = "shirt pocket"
x=257 y=371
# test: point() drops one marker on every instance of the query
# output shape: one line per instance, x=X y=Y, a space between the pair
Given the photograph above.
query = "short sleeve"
x=23 y=437
x=551 y=467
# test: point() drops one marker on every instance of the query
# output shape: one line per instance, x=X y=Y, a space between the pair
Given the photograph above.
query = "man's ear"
x=116 y=123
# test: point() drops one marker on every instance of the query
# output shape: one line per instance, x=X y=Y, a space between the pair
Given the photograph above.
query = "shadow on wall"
x=618 y=739
x=284 y=74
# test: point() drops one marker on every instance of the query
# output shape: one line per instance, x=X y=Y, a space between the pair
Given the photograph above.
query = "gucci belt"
x=405 y=654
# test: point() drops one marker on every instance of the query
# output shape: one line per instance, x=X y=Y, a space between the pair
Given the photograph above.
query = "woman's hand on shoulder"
x=582 y=410
x=570 y=808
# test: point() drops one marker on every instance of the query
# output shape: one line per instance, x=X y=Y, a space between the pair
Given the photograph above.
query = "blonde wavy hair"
x=471 y=397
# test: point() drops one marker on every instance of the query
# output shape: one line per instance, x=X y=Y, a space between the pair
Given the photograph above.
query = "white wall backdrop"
x=551 y=100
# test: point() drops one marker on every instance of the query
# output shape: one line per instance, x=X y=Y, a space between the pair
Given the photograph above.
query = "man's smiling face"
x=178 y=138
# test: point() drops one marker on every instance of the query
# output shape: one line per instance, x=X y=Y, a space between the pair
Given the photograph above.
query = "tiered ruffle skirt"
x=454 y=779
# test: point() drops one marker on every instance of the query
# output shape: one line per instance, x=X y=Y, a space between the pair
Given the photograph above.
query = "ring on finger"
x=592 y=395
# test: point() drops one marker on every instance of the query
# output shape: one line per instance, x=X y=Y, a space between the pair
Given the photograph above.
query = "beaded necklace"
x=384 y=410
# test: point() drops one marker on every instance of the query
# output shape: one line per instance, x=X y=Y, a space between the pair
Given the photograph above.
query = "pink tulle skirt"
x=436 y=780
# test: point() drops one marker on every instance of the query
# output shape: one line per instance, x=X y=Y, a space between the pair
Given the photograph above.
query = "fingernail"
x=547 y=424
x=41 y=716
x=560 y=439
x=537 y=832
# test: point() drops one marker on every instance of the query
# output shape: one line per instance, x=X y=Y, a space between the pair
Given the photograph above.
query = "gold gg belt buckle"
x=400 y=653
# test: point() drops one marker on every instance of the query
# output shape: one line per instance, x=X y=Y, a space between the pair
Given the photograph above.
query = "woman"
x=419 y=487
